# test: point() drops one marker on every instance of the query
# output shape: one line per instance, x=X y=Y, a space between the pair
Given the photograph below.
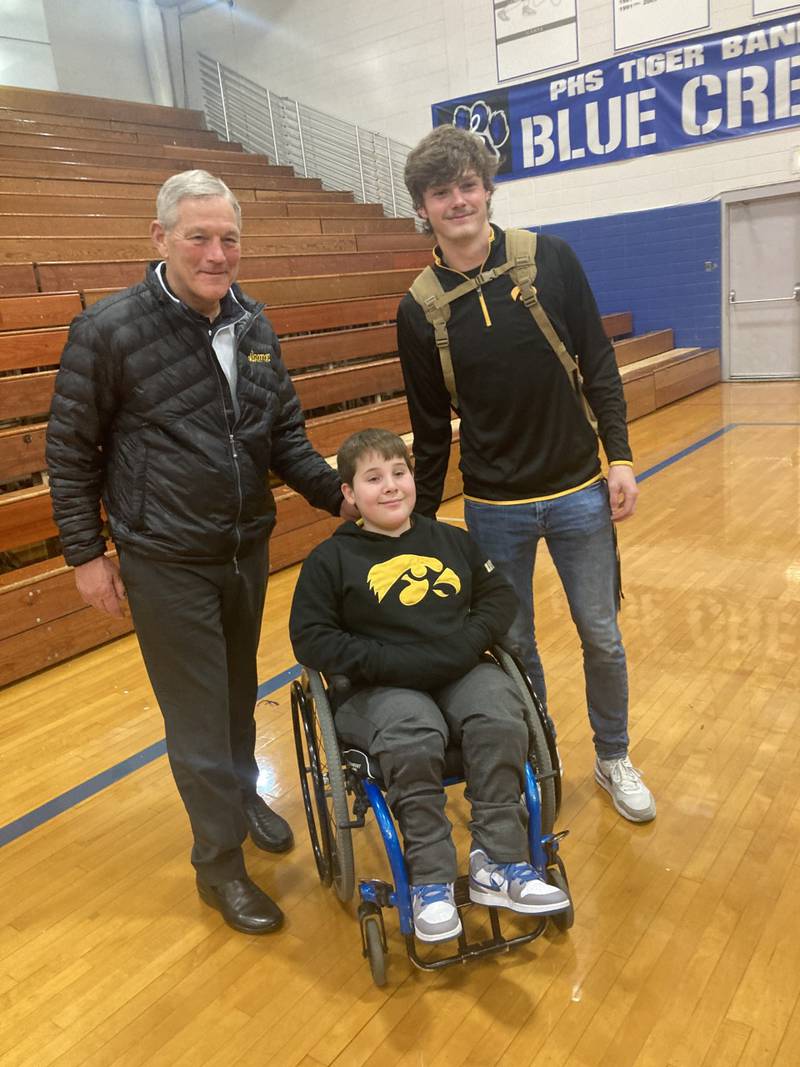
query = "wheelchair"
x=340 y=786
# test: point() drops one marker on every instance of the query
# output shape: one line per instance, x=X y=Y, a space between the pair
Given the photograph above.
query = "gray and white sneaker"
x=512 y=885
x=632 y=799
x=434 y=909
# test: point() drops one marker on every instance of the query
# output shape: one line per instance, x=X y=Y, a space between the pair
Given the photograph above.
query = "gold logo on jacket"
x=260 y=357
x=415 y=572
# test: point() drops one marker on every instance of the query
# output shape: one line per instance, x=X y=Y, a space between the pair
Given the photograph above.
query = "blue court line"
x=30 y=821
x=701 y=443
x=684 y=452
x=11 y=831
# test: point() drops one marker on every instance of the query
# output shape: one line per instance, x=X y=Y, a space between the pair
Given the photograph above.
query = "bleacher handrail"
x=340 y=153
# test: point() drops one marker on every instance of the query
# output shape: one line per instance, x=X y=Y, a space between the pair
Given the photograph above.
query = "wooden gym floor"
x=686 y=945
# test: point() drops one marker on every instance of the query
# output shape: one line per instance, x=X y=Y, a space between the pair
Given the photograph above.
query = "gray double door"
x=764 y=287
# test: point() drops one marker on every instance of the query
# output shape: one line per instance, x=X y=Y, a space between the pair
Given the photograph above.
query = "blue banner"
x=707 y=89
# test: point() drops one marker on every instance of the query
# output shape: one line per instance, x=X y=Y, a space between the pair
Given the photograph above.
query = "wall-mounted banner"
x=766 y=7
x=640 y=21
x=695 y=92
x=533 y=35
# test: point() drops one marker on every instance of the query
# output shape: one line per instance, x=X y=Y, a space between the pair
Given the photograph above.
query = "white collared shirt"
x=223 y=339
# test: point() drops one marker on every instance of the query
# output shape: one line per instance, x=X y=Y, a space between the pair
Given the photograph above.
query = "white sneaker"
x=512 y=885
x=434 y=909
x=632 y=799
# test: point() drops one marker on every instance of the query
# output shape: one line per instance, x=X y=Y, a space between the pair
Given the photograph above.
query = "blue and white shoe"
x=434 y=909
x=512 y=885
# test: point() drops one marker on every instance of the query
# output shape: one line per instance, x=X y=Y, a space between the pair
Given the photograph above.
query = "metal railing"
x=317 y=145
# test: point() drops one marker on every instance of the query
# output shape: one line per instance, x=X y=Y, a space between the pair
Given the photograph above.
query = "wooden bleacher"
x=654 y=372
x=73 y=227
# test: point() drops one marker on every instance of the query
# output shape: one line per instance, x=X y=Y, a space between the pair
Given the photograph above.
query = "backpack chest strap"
x=427 y=290
x=469 y=285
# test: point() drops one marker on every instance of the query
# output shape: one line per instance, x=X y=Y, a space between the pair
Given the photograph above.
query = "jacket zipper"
x=479 y=290
x=484 y=308
x=237 y=337
x=237 y=531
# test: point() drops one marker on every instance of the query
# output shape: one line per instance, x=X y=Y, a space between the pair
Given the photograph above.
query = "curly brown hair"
x=443 y=156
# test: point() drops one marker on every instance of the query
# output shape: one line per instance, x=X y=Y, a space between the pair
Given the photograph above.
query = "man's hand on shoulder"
x=100 y=585
x=622 y=491
x=349 y=511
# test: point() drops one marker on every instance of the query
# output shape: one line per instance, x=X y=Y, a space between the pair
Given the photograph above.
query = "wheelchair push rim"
x=311 y=785
x=328 y=793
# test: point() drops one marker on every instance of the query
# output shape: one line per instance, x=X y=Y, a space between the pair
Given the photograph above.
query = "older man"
x=172 y=404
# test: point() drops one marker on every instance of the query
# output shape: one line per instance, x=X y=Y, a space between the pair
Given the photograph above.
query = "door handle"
x=794 y=298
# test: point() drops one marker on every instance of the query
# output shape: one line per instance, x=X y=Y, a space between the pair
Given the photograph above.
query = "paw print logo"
x=487 y=123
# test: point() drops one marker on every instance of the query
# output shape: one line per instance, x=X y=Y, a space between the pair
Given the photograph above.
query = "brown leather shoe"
x=244 y=906
x=268 y=830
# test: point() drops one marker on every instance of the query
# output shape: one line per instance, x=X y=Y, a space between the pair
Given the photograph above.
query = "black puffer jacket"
x=142 y=416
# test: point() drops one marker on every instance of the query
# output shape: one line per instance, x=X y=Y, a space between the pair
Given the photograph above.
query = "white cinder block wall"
x=383 y=63
x=97 y=48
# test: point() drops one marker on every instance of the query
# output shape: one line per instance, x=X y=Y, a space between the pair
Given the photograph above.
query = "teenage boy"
x=529 y=455
x=405 y=607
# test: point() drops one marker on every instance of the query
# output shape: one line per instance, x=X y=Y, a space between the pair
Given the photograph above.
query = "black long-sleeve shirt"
x=416 y=610
x=523 y=432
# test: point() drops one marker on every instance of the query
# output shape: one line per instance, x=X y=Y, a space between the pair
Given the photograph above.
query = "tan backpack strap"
x=428 y=285
x=428 y=293
x=435 y=302
x=521 y=250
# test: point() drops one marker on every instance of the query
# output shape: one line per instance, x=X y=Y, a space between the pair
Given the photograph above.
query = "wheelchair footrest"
x=469 y=950
x=461 y=891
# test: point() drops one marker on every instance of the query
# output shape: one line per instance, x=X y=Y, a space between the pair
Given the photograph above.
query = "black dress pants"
x=198 y=626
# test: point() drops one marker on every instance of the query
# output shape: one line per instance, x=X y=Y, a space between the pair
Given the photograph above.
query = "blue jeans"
x=578 y=532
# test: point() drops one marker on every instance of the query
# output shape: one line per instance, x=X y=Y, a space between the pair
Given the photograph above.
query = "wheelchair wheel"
x=374 y=944
x=312 y=783
x=557 y=876
x=539 y=752
x=336 y=810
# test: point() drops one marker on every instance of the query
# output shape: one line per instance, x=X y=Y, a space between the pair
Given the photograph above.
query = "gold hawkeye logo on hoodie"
x=414 y=571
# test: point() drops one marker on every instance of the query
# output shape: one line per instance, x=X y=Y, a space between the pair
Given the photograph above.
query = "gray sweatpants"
x=407 y=731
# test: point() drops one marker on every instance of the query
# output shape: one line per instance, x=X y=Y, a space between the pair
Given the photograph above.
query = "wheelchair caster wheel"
x=557 y=876
x=374 y=941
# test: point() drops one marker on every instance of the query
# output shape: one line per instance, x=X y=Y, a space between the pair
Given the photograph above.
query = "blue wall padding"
x=653 y=263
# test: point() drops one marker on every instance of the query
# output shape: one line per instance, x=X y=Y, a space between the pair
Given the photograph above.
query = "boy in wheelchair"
x=405 y=607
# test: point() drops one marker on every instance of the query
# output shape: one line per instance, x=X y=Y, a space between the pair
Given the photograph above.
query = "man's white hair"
x=191 y=184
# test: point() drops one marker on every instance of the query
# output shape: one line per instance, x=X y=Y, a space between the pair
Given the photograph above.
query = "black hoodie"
x=415 y=611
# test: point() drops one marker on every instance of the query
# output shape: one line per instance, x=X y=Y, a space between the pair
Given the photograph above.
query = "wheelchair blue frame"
x=370 y=891
x=329 y=776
